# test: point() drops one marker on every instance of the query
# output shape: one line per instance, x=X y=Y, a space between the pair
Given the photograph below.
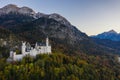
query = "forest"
x=59 y=66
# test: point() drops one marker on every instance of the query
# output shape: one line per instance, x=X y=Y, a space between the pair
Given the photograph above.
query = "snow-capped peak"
x=26 y=10
x=15 y=9
x=11 y=8
x=112 y=31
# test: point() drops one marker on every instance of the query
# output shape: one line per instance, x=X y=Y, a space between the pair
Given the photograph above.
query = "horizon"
x=91 y=17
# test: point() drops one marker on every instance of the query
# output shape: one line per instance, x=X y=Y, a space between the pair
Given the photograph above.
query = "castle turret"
x=48 y=47
x=47 y=41
x=36 y=45
x=23 y=47
x=11 y=54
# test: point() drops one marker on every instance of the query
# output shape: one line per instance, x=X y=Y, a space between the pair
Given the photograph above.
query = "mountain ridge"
x=12 y=8
x=110 y=35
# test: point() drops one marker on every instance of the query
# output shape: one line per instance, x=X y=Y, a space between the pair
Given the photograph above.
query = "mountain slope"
x=63 y=36
x=113 y=45
x=8 y=41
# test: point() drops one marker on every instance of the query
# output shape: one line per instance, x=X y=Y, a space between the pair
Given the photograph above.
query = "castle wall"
x=18 y=57
x=49 y=49
x=33 y=52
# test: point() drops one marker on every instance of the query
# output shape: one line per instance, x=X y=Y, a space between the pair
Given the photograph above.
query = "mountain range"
x=23 y=23
x=110 y=39
x=110 y=35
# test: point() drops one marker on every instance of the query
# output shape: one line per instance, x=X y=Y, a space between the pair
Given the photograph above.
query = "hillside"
x=114 y=45
x=8 y=41
x=59 y=66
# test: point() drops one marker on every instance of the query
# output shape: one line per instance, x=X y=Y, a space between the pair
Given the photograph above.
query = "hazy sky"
x=89 y=16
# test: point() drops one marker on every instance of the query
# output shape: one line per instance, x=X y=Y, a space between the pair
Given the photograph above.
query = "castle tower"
x=23 y=47
x=11 y=54
x=47 y=41
x=48 y=47
x=36 y=45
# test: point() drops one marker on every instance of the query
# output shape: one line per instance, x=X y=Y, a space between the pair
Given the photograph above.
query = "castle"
x=26 y=49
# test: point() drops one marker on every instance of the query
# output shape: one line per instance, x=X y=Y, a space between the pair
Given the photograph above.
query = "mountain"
x=33 y=27
x=110 y=39
x=110 y=35
x=11 y=8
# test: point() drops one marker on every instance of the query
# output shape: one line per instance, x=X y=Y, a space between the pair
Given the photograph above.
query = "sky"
x=89 y=16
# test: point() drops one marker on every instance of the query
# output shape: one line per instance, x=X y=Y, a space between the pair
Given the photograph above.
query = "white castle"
x=26 y=49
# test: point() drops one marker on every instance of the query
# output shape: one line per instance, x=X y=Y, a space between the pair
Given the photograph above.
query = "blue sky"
x=89 y=16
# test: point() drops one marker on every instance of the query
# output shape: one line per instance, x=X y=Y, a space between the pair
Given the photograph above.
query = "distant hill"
x=112 y=45
x=110 y=35
x=110 y=39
